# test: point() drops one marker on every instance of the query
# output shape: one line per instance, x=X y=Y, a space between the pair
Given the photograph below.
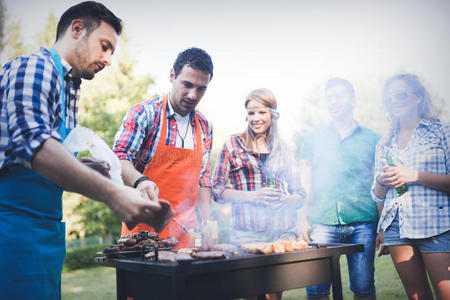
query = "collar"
x=171 y=112
x=424 y=122
x=333 y=128
x=67 y=70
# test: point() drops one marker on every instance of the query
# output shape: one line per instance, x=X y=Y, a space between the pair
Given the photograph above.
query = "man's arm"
x=204 y=203
x=57 y=165
x=130 y=175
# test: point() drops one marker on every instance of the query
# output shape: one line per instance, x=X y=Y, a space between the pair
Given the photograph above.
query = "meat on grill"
x=137 y=240
x=279 y=246
x=209 y=255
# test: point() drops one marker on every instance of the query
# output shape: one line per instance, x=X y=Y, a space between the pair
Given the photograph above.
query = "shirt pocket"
x=430 y=156
x=239 y=161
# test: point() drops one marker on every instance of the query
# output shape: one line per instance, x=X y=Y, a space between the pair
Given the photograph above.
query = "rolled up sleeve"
x=31 y=98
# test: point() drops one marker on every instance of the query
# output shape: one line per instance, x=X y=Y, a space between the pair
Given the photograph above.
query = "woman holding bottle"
x=412 y=180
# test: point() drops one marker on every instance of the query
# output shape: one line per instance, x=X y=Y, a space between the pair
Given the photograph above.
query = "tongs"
x=197 y=236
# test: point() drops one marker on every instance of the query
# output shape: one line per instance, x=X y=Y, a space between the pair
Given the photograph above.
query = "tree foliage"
x=2 y=25
x=11 y=40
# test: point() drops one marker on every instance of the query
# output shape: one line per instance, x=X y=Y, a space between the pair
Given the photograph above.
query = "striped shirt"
x=239 y=168
x=30 y=112
x=138 y=137
x=423 y=211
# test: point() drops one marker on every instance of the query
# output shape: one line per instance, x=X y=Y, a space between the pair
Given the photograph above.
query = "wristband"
x=139 y=180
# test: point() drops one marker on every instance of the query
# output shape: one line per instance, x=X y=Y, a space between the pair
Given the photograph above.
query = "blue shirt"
x=423 y=211
x=342 y=172
x=30 y=111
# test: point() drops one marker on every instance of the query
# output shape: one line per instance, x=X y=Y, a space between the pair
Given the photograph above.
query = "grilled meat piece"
x=228 y=248
x=163 y=256
x=187 y=251
x=209 y=255
x=258 y=248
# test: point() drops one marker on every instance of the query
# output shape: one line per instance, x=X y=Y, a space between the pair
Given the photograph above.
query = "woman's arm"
x=400 y=175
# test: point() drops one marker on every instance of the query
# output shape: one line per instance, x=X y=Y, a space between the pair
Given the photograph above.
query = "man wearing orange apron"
x=164 y=146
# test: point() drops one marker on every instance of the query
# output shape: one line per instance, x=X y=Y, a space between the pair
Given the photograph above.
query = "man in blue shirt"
x=39 y=100
x=338 y=160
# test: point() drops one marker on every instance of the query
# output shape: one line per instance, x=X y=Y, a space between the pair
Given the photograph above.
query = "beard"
x=84 y=70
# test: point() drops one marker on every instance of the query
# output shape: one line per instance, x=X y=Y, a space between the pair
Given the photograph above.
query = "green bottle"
x=401 y=189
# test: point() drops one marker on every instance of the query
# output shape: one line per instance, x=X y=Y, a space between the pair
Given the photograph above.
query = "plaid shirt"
x=423 y=212
x=241 y=169
x=30 y=112
x=138 y=137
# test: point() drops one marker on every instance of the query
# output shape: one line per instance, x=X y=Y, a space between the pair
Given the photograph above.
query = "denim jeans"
x=360 y=265
x=437 y=243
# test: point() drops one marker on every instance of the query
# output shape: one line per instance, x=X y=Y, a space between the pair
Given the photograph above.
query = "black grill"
x=234 y=277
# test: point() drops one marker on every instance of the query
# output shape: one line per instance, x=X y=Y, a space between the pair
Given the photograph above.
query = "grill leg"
x=336 y=279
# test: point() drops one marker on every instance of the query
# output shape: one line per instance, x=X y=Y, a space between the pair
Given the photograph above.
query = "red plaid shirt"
x=241 y=169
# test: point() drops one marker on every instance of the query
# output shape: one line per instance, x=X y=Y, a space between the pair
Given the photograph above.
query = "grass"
x=100 y=283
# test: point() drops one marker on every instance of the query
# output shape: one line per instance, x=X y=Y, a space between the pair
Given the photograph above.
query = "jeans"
x=437 y=243
x=360 y=265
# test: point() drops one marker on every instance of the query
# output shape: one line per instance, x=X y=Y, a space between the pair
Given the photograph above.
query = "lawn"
x=100 y=283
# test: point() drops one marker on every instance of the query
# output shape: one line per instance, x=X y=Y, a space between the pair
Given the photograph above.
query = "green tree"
x=2 y=25
x=104 y=102
x=11 y=40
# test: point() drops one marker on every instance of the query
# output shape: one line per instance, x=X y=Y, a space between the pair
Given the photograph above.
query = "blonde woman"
x=412 y=181
x=256 y=172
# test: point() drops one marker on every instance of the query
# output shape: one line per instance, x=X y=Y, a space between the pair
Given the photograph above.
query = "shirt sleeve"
x=221 y=173
x=31 y=96
x=131 y=134
x=446 y=145
x=205 y=173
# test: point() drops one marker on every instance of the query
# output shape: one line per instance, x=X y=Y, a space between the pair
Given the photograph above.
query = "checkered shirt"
x=238 y=168
x=423 y=212
x=30 y=111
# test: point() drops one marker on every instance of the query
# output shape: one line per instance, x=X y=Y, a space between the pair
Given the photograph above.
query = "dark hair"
x=92 y=14
x=195 y=58
x=337 y=81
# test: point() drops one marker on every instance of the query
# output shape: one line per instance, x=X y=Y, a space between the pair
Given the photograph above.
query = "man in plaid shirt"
x=164 y=146
x=39 y=99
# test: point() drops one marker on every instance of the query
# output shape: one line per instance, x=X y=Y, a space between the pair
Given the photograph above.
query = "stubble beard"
x=80 y=52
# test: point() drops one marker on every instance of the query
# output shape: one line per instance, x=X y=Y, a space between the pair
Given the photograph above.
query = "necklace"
x=185 y=134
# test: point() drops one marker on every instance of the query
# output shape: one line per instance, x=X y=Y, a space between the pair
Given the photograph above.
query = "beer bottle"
x=401 y=189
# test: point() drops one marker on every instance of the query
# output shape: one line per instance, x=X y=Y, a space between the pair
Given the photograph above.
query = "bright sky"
x=287 y=46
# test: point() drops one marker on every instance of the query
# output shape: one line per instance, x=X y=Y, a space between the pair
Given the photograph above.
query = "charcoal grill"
x=234 y=277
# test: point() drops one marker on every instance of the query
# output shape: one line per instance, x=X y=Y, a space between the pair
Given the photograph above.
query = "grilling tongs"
x=196 y=235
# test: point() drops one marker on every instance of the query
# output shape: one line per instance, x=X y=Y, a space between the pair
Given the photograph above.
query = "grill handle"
x=155 y=248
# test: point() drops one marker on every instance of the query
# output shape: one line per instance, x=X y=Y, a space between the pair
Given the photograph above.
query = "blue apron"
x=32 y=236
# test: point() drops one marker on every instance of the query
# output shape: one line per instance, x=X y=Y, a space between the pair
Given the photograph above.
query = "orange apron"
x=176 y=172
